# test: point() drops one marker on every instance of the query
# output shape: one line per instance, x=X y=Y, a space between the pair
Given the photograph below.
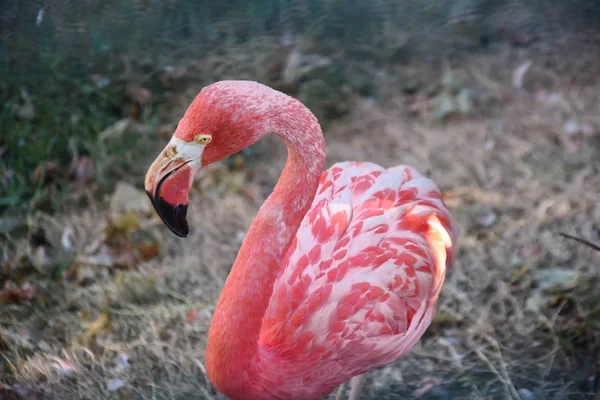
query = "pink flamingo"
x=339 y=272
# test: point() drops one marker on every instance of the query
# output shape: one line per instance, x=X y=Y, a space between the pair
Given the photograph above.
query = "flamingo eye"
x=202 y=139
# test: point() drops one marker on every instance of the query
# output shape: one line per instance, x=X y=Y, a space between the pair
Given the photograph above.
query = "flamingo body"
x=339 y=271
x=359 y=283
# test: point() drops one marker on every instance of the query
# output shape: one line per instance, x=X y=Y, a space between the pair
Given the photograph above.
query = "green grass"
x=68 y=117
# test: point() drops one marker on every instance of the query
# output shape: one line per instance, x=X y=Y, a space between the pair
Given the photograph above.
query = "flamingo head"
x=223 y=119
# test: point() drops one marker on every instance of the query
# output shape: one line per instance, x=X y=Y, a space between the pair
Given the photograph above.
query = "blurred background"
x=497 y=101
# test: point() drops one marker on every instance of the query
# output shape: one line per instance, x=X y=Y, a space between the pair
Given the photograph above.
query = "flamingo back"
x=359 y=283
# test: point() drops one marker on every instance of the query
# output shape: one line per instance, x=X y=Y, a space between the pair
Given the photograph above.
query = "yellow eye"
x=202 y=139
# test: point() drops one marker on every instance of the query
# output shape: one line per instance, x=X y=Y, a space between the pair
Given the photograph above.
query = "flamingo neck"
x=233 y=348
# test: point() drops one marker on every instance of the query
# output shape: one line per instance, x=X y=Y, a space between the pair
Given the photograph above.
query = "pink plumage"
x=339 y=272
x=359 y=283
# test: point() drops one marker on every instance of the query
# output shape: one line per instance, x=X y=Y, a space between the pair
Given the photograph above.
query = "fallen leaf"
x=526 y=394
x=519 y=74
x=66 y=238
x=457 y=196
x=140 y=94
x=121 y=362
x=115 y=384
x=100 y=260
x=557 y=280
x=552 y=285
x=148 y=251
x=16 y=294
x=117 y=130
x=125 y=260
x=124 y=224
x=83 y=275
x=554 y=101
x=64 y=367
x=464 y=101
x=487 y=220
x=25 y=109
x=172 y=75
x=425 y=387
x=445 y=106
x=46 y=171
x=83 y=169
x=530 y=249
x=126 y=197
x=137 y=288
x=299 y=65
x=100 y=324
x=39 y=258
x=85 y=267
x=446 y=317
x=100 y=81
x=572 y=137
x=198 y=314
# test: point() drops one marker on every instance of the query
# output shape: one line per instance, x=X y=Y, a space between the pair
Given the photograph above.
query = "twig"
x=580 y=240
x=507 y=383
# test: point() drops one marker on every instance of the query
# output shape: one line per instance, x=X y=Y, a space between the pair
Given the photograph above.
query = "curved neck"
x=234 y=332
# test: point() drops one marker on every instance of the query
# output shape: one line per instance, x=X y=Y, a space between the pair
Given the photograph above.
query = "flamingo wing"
x=358 y=285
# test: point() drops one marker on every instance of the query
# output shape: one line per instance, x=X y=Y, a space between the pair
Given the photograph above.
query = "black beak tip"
x=174 y=217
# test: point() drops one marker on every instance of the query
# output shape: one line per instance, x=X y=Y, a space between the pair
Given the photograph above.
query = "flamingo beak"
x=169 y=180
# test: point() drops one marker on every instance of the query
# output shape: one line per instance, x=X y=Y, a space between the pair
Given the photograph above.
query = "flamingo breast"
x=358 y=285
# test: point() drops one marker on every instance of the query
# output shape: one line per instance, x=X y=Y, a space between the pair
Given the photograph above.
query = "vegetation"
x=98 y=299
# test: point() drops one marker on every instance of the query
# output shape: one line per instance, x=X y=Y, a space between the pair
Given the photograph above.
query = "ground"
x=518 y=316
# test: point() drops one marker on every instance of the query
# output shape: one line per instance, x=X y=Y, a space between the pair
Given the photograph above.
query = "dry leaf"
x=198 y=314
x=39 y=258
x=487 y=220
x=117 y=130
x=100 y=324
x=46 y=171
x=425 y=387
x=140 y=94
x=100 y=260
x=64 y=367
x=101 y=81
x=114 y=385
x=519 y=74
x=126 y=197
x=124 y=224
x=84 y=268
x=25 y=109
x=553 y=284
x=84 y=275
x=83 y=169
x=456 y=197
x=15 y=294
x=66 y=238
x=172 y=75
x=121 y=362
x=137 y=288
x=148 y=251
x=442 y=317
x=125 y=260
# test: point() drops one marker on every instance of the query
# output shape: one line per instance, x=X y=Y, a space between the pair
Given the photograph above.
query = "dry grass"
x=509 y=179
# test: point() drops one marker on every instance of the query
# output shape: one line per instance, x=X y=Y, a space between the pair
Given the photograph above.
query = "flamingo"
x=339 y=272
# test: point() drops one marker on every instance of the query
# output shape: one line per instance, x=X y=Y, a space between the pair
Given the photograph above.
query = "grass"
x=65 y=122
x=126 y=303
